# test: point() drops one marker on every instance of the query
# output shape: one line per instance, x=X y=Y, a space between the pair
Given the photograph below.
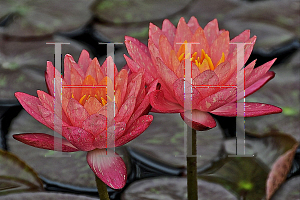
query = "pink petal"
x=169 y=30
x=154 y=34
x=193 y=24
x=178 y=87
x=121 y=83
x=134 y=85
x=76 y=79
x=211 y=31
x=140 y=45
x=257 y=85
x=126 y=110
x=84 y=60
x=44 y=141
x=204 y=80
x=241 y=38
x=251 y=110
x=95 y=124
x=183 y=33
x=69 y=63
x=94 y=70
x=165 y=51
x=49 y=76
x=199 y=37
x=167 y=76
x=30 y=104
x=144 y=107
x=108 y=166
x=76 y=113
x=259 y=72
x=142 y=59
x=219 y=46
x=217 y=99
x=107 y=138
x=159 y=103
x=109 y=61
x=137 y=128
x=80 y=138
x=224 y=72
x=200 y=120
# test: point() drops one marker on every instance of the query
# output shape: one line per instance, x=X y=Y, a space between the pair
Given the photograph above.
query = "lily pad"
x=118 y=11
x=163 y=141
x=24 y=63
x=283 y=91
x=166 y=188
x=70 y=169
x=245 y=176
x=16 y=175
x=31 y=18
x=289 y=190
x=258 y=176
x=45 y=196
x=273 y=28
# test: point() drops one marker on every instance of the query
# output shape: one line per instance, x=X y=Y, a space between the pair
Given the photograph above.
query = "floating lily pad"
x=17 y=176
x=274 y=22
x=45 y=196
x=282 y=91
x=204 y=11
x=244 y=176
x=289 y=190
x=164 y=141
x=31 y=18
x=166 y=188
x=24 y=64
x=64 y=168
x=118 y=11
x=258 y=176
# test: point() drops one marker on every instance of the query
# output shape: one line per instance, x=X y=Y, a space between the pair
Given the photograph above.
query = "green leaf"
x=16 y=175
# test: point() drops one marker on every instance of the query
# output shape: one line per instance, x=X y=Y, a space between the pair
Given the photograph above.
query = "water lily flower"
x=83 y=113
x=213 y=63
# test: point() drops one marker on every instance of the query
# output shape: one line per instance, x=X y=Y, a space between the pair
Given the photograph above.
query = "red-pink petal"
x=159 y=103
x=126 y=110
x=76 y=112
x=154 y=34
x=165 y=50
x=200 y=120
x=45 y=141
x=94 y=70
x=108 y=166
x=69 y=63
x=30 y=104
x=193 y=24
x=257 y=85
x=251 y=110
x=50 y=74
x=84 y=60
x=204 y=80
x=95 y=124
x=80 y=138
x=224 y=72
x=169 y=30
x=211 y=31
x=141 y=58
x=199 y=37
x=183 y=33
x=259 y=72
x=141 y=45
x=167 y=76
x=219 y=46
x=137 y=128
x=104 y=66
x=241 y=38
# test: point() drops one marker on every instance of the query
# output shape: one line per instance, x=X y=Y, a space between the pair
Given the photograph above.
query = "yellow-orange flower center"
x=203 y=61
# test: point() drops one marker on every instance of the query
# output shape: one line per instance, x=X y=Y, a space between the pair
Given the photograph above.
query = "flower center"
x=203 y=62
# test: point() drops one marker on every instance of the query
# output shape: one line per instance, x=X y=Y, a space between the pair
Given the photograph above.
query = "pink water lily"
x=83 y=113
x=213 y=63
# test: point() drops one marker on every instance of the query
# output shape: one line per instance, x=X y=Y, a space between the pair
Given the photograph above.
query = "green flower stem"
x=192 y=184
x=102 y=189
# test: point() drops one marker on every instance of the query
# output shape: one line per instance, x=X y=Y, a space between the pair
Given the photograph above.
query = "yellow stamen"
x=222 y=59
x=109 y=98
x=187 y=56
x=81 y=100
x=73 y=96
x=181 y=57
x=103 y=101
x=210 y=64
